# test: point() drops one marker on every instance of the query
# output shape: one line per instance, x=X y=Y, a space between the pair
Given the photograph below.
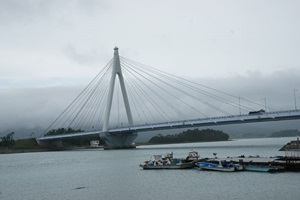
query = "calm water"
x=113 y=175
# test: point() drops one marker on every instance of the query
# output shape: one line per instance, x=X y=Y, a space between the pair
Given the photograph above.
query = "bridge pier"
x=122 y=140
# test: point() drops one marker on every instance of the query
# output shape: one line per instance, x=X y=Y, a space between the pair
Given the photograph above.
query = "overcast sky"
x=48 y=46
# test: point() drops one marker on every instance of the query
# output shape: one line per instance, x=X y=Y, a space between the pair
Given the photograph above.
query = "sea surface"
x=115 y=174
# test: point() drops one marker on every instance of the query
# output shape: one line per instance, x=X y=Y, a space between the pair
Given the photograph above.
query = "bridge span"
x=214 y=121
x=155 y=97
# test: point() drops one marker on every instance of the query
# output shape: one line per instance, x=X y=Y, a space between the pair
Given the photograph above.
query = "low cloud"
x=86 y=56
x=39 y=107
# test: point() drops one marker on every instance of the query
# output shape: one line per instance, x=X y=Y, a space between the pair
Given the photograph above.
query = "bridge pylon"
x=115 y=140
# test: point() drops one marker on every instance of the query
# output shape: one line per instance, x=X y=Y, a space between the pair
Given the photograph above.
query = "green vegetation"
x=9 y=145
x=61 y=131
x=26 y=144
x=195 y=135
x=8 y=140
x=74 y=142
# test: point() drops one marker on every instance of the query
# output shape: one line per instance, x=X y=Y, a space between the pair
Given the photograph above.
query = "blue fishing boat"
x=263 y=168
x=223 y=166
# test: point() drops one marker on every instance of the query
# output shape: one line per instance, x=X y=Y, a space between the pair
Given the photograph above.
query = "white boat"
x=167 y=161
x=192 y=156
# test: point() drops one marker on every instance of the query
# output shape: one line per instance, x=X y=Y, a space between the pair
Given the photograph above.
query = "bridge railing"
x=189 y=123
x=198 y=120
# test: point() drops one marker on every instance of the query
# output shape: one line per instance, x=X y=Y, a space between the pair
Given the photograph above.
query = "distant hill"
x=248 y=135
x=286 y=133
x=195 y=135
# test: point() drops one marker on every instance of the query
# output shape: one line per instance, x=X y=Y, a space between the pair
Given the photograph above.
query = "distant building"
x=292 y=149
x=94 y=143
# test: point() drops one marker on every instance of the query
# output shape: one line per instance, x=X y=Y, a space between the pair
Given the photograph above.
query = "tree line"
x=8 y=140
x=195 y=135
x=83 y=141
x=61 y=131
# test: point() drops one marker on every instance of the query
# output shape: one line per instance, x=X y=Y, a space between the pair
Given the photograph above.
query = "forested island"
x=196 y=135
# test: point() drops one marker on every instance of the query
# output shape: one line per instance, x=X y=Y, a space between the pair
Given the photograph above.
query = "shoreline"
x=36 y=150
x=11 y=151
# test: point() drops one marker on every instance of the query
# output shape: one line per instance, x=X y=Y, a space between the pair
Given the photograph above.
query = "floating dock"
x=289 y=164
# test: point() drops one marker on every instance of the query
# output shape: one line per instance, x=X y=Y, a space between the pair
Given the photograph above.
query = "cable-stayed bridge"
x=127 y=97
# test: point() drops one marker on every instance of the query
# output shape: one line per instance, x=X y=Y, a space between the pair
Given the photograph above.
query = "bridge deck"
x=237 y=119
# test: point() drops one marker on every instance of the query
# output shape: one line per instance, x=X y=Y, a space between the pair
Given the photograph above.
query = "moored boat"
x=223 y=166
x=239 y=167
x=263 y=168
x=167 y=162
x=192 y=156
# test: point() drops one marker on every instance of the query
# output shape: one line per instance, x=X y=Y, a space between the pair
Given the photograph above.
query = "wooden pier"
x=288 y=163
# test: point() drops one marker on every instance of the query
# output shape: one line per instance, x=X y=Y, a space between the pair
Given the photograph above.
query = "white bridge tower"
x=124 y=139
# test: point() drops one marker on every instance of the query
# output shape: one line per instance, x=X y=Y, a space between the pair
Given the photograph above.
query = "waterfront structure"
x=292 y=150
x=124 y=135
x=94 y=143
x=126 y=139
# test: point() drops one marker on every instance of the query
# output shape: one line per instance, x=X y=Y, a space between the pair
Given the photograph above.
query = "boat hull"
x=178 y=166
x=257 y=168
x=220 y=169
x=215 y=167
